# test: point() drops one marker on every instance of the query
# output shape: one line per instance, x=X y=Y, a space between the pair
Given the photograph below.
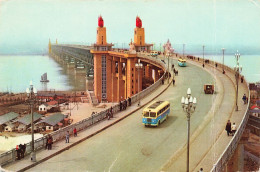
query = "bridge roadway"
x=129 y=146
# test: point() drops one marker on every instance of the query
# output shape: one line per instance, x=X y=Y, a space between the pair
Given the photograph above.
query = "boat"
x=182 y=62
x=44 y=78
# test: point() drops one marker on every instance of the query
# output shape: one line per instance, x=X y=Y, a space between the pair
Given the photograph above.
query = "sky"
x=27 y=25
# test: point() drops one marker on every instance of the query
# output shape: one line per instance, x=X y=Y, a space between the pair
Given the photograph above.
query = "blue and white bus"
x=155 y=113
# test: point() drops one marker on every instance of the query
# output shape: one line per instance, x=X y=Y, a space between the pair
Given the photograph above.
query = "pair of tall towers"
x=115 y=75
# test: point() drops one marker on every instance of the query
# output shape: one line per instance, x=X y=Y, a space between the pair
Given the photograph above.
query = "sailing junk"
x=44 y=78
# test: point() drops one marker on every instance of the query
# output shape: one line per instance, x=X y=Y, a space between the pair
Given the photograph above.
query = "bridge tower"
x=102 y=70
x=139 y=37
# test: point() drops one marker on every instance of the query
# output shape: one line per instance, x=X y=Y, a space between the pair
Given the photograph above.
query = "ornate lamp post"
x=238 y=70
x=31 y=93
x=223 y=50
x=138 y=67
x=189 y=106
x=203 y=47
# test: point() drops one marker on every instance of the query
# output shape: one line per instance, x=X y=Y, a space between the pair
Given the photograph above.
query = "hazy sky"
x=27 y=25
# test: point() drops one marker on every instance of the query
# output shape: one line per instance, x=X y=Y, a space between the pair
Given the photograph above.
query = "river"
x=17 y=71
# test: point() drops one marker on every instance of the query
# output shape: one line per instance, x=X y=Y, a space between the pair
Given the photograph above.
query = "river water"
x=17 y=71
x=250 y=64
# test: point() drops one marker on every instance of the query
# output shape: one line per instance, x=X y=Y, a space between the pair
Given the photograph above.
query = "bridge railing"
x=228 y=152
x=10 y=156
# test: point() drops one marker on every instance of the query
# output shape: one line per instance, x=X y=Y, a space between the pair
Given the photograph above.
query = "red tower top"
x=138 y=22
x=100 y=21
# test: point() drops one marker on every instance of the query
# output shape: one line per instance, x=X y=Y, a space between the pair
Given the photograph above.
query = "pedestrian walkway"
x=60 y=146
x=207 y=155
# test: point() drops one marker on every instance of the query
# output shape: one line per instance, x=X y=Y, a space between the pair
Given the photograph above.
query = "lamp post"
x=238 y=70
x=203 y=47
x=31 y=93
x=189 y=106
x=138 y=67
x=223 y=50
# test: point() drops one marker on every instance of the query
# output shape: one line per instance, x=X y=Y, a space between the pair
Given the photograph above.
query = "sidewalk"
x=60 y=146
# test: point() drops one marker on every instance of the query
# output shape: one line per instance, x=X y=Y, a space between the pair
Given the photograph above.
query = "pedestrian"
x=24 y=149
x=233 y=128
x=111 y=111
x=50 y=142
x=203 y=65
x=242 y=79
x=75 y=132
x=18 y=152
x=173 y=81
x=201 y=170
x=125 y=102
x=244 y=98
x=216 y=64
x=21 y=150
x=228 y=127
x=129 y=101
x=120 y=105
x=46 y=145
x=162 y=81
x=67 y=137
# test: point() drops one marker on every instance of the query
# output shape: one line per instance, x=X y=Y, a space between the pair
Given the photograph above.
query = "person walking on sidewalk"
x=18 y=152
x=173 y=81
x=244 y=98
x=234 y=129
x=75 y=132
x=49 y=141
x=129 y=101
x=228 y=127
x=67 y=137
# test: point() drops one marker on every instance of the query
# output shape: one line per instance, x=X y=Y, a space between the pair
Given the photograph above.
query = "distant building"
x=22 y=124
x=6 y=119
x=255 y=111
x=49 y=96
x=9 y=127
x=48 y=106
x=51 y=123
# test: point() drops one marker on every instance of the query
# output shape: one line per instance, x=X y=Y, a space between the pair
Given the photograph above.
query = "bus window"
x=146 y=114
x=152 y=114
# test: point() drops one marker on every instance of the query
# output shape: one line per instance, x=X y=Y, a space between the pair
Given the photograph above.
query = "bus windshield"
x=152 y=114
x=146 y=114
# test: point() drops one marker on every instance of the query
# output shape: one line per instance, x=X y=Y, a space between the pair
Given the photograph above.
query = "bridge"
x=124 y=143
